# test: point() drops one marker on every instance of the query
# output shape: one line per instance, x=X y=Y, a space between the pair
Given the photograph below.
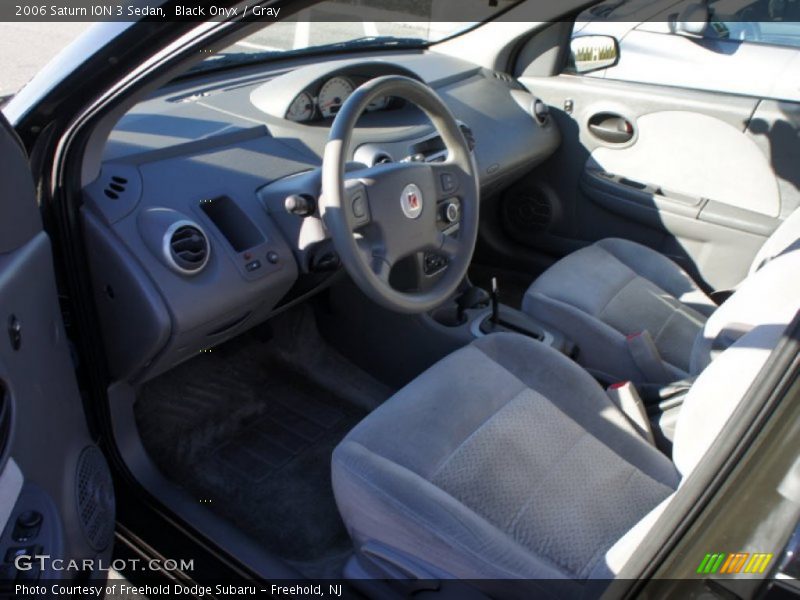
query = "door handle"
x=611 y=128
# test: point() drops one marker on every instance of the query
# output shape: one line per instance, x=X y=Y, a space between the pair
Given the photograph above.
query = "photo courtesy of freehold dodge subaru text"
x=400 y=299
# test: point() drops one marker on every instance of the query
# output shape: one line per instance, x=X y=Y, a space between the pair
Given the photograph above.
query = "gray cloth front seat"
x=484 y=467
x=507 y=460
x=603 y=295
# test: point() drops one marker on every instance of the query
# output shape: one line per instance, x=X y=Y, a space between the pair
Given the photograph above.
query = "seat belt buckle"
x=626 y=397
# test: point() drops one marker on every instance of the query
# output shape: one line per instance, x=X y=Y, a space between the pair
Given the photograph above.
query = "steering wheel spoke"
x=449 y=246
x=374 y=255
x=450 y=179
x=356 y=204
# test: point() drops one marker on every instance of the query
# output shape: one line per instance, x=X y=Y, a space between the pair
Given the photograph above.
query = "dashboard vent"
x=186 y=247
x=382 y=158
x=469 y=135
x=115 y=186
x=508 y=79
x=541 y=112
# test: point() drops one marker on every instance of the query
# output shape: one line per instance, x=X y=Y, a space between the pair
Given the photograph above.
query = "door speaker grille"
x=95 y=497
x=6 y=422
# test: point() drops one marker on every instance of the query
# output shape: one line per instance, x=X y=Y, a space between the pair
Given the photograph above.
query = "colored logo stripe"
x=734 y=563
x=758 y=563
x=711 y=563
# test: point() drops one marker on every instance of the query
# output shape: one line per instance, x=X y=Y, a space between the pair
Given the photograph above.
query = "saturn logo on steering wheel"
x=411 y=201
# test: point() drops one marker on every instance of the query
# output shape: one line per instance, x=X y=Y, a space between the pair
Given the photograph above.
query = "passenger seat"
x=635 y=315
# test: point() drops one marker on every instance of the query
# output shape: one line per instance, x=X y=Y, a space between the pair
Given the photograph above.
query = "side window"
x=773 y=22
x=743 y=47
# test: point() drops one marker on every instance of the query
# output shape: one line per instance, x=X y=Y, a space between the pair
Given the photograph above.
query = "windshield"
x=344 y=24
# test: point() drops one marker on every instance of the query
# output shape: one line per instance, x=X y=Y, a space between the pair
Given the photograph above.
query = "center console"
x=474 y=312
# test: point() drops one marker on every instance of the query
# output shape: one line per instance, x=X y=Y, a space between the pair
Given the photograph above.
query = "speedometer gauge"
x=301 y=109
x=333 y=94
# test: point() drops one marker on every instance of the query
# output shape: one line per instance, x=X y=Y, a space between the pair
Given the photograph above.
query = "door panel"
x=690 y=181
x=57 y=497
x=719 y=164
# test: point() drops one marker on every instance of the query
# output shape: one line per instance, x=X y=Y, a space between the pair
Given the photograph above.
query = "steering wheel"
x=379 y=215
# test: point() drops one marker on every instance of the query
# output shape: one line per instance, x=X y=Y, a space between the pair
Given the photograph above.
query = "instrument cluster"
x=329 y=98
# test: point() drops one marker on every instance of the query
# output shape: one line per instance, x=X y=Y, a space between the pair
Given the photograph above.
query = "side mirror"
x=693 y=19
x=592 y=52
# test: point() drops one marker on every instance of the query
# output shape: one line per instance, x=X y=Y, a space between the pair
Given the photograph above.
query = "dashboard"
x=202 y=223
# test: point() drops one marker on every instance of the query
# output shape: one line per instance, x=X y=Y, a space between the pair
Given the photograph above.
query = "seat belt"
x=645 y=356
x=718 y=297
x=728 y=336
x=626 y=398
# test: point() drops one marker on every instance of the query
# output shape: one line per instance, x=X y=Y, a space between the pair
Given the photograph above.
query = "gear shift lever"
x=495 y=302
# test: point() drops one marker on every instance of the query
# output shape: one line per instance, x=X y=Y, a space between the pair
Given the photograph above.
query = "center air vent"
x=186 y=247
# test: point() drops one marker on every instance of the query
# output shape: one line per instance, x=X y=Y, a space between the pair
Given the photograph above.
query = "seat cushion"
x=603 y=293
x=505 y=459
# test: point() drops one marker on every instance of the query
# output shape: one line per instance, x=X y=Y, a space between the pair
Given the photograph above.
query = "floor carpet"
x=249 y=428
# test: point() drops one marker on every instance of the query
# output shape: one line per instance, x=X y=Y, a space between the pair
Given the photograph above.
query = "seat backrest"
x=782 y=238
x=758 y=299
x=723 y=384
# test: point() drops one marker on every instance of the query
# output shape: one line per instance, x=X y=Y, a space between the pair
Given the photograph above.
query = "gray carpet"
x=249 y=428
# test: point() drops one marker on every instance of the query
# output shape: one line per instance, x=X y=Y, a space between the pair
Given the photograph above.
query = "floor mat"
x=251 y=436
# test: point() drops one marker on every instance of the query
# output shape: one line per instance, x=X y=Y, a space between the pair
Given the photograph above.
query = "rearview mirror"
x=693 y=19
x=592 y=52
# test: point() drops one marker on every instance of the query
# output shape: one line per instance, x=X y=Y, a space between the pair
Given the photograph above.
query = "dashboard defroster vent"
x=186 y=247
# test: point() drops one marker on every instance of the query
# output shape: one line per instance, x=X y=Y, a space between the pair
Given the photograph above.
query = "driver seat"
x=506 y=460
